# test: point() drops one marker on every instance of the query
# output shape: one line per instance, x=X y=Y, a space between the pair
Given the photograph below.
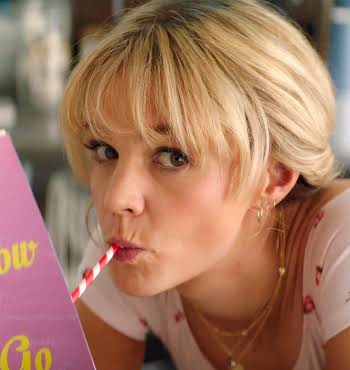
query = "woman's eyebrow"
x=98 y=134
x=163 y=129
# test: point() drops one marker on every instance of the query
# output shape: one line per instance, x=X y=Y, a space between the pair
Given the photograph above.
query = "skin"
x=172 y=211
x=194 y=238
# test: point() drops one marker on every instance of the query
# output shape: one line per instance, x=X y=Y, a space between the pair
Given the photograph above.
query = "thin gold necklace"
x=234 y=361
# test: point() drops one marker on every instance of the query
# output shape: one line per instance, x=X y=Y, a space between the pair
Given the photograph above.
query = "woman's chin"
x=138 y=288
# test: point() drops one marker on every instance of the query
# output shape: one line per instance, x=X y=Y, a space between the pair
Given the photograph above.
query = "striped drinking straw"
x=91 y=275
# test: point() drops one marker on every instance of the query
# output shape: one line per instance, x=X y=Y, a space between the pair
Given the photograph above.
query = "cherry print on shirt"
x=178 y=316
x=143 y=322
x=319 y=216
x=309 y=305
x=318 y=274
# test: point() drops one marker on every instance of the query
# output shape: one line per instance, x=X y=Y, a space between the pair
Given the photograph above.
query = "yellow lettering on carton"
x=42 y=360
x=43 y=356
x=5 y=261
x=21 y=348
x=19 y=256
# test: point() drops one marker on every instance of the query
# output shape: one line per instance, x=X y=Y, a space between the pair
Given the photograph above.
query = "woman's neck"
x=234 y=290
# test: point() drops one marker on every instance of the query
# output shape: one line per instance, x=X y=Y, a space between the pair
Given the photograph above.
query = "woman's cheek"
x=98 y=179
x=97 y=190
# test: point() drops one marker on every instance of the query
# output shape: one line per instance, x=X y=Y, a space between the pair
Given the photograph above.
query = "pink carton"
x=39 y=326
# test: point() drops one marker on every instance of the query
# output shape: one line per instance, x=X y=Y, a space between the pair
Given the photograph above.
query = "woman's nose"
x=125 y=191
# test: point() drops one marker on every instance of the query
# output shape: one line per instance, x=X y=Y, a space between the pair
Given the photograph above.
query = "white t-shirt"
x=326 y=297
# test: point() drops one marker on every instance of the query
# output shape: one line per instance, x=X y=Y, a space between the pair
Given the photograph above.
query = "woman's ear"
x=279 y=180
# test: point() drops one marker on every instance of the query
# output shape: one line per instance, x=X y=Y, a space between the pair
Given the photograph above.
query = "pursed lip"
x=122 y=243
x=127 y=250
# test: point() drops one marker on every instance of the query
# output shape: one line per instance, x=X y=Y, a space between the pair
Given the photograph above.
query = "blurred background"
x=41 y=40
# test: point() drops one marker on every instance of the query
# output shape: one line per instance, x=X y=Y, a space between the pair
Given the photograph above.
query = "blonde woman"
x=201 y=128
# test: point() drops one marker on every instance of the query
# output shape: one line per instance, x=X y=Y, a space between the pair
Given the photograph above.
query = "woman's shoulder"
x=327 y=261
x=331 y=205
x=329 y=215
x=328 y=242
x=333 y=208
x=338 y=188
x=319 y=227
x=335 y=199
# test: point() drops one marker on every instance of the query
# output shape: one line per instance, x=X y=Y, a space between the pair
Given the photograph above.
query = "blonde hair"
x=232 y=76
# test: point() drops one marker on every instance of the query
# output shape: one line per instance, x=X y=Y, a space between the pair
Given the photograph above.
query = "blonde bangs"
x=85 y=96
x=164 y=75
x=161 y=74
x=193 y=95
x=232 y=78
x=82 y=106
x=172 y=75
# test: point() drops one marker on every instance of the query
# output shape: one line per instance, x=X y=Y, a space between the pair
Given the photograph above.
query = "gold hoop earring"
x=262 y=210
x=260 y=214
x=89 y=209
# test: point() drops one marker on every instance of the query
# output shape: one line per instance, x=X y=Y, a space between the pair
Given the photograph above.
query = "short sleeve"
x=334 y=306
x=117 y=309
x=332 y=267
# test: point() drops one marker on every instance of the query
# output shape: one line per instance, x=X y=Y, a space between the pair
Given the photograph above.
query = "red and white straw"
x=93 y=273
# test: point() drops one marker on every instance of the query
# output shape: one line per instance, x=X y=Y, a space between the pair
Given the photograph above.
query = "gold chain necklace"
x=262 y=317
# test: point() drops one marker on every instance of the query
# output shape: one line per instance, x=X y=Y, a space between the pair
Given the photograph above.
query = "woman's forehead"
x=116 y=116
x=118 y=108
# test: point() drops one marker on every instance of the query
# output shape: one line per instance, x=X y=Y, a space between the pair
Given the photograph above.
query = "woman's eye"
x=171 y=158
x=102 y=151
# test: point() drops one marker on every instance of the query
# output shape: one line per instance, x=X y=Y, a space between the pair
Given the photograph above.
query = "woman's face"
x=156 y=198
